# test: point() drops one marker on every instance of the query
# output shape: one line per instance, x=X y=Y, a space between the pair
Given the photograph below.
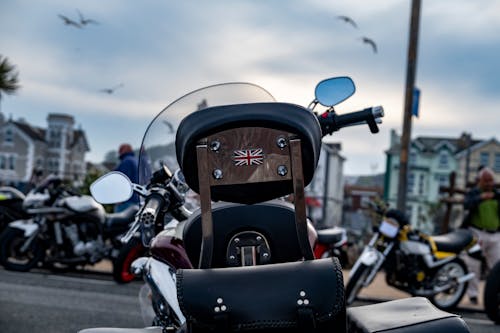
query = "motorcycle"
x=64 y=229
x=11 y=206
x=491 y=295
x=240 y=149
x=414 y=262
x=332 y=242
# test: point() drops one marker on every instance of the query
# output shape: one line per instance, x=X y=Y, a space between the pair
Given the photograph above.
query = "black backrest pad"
x=275 y=220
x=280 y=116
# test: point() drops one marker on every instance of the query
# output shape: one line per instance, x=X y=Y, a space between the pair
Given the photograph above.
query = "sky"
x=155 y=51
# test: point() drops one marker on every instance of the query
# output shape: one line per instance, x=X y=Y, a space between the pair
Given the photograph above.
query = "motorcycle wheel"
x=11 y=257
x=492 y=294
x=355 y=283
x=449 y=299
x=128 y=253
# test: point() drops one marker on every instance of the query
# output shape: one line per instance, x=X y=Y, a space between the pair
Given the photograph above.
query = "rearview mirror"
x=332 y=91
x=112 y=188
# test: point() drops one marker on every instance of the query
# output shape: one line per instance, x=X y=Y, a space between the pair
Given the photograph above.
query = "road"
x=43 y=302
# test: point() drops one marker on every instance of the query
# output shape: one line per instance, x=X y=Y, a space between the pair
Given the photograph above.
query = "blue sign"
x=416 y=98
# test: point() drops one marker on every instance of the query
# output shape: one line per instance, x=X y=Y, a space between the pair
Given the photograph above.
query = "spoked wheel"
x=447 y=275
x=128 y=253
x=356 y=283
x=492 y=294
x=12 y=254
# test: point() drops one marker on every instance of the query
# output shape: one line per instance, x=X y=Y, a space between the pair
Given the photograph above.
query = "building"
x=58 y=149
x=327 y=186
x=430 y=162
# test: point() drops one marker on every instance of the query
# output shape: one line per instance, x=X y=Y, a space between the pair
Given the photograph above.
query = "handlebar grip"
x=153 y=206
x=331 y=122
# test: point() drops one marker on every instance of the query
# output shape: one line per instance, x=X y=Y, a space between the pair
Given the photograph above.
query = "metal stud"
x=217 y=309
x=281 y=142
x=306 y=302
x=302 y=293
x=217 y=174
x=282 y=170
x=265 y=255
x=300 y=302
x=215 y=145
x=220 y=300
x=259 y=238
x=223 y=308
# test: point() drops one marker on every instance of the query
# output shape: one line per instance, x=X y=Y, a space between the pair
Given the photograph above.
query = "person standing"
x=483 y=219
x=129 y=166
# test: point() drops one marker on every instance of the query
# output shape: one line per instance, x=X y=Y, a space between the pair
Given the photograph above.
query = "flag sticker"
x=248 y=157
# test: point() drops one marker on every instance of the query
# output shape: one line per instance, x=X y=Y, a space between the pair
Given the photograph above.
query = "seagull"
x=111 y=90
x=84 y=21
x=347 y=19
x=170 y=127
x=370 y=42
x=69 y=21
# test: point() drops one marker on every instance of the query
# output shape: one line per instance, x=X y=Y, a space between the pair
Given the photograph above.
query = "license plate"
x=389 y=228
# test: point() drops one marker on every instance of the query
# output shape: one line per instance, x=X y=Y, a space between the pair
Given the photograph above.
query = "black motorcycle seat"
x=274 y=219
x=123 y=218
x=408 y=315
x=277 y=116
x=330 y=236
x=155 y=329
x=453 y=242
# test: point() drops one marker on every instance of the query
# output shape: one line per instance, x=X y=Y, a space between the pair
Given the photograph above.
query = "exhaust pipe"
x=436 y=290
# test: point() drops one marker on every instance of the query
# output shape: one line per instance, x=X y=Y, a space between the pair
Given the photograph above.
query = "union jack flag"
x=248 y=157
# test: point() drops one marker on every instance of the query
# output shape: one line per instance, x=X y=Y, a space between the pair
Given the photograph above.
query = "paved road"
x=43 y=302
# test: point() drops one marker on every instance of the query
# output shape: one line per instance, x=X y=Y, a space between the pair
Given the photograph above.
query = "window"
x=484 y=158
x=497 y=162
x=2 y=162
x=443 y=160
x=12 y=162
x=413 y=158
x=411 y=183
x=421 y=179
x=9 y=135
x=443 y=179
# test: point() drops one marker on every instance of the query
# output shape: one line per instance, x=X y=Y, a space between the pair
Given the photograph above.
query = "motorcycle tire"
x=458 y=267
x=10 y=242
x=355 y=283
x=128 y=253
x=491 y=295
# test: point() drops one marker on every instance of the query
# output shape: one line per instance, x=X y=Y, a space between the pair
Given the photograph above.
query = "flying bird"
x=84 y=21
x=111 y=90
x=69 y=21
x=370 y=42
x=347 y=19
x=170 y=126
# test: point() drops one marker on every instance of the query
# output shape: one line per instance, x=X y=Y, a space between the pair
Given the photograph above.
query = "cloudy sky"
x=159 y=50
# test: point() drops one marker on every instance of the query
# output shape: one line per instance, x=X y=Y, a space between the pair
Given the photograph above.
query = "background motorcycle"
x=11 y=206
x=67 y=230
x=418 y=264
x=491 y=295
x=242 y=247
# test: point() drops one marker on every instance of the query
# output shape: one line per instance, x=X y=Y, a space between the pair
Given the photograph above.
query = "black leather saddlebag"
x=408 y=315
x=304 y=296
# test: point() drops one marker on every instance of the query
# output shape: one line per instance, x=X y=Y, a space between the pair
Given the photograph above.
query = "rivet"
x=217 y=309
x=282 y=170
x=236 y=240
x=259 y=238
x=215 y=145
x=302 y=293
x=265 y=255
x=220 y=300
x=232 y=257
x=217 y=174
x=281 y=142
x=306 y=302
x=300 y=302
x=223 y=308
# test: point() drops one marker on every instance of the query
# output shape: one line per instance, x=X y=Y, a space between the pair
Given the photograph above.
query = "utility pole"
x=410 y=84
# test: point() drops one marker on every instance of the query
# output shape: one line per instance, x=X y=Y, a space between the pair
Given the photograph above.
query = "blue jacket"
x=129 y=167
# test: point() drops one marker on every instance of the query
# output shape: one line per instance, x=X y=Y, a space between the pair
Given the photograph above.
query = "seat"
x=453 y=242
x=330 y=236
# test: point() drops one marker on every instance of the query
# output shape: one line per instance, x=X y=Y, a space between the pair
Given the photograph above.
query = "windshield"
x=158 y=143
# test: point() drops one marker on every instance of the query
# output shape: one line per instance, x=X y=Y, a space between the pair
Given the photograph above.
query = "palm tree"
x=9 y=82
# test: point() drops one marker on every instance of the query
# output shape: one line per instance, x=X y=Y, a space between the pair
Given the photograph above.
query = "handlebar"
x=154 y=205
x=331 y=122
